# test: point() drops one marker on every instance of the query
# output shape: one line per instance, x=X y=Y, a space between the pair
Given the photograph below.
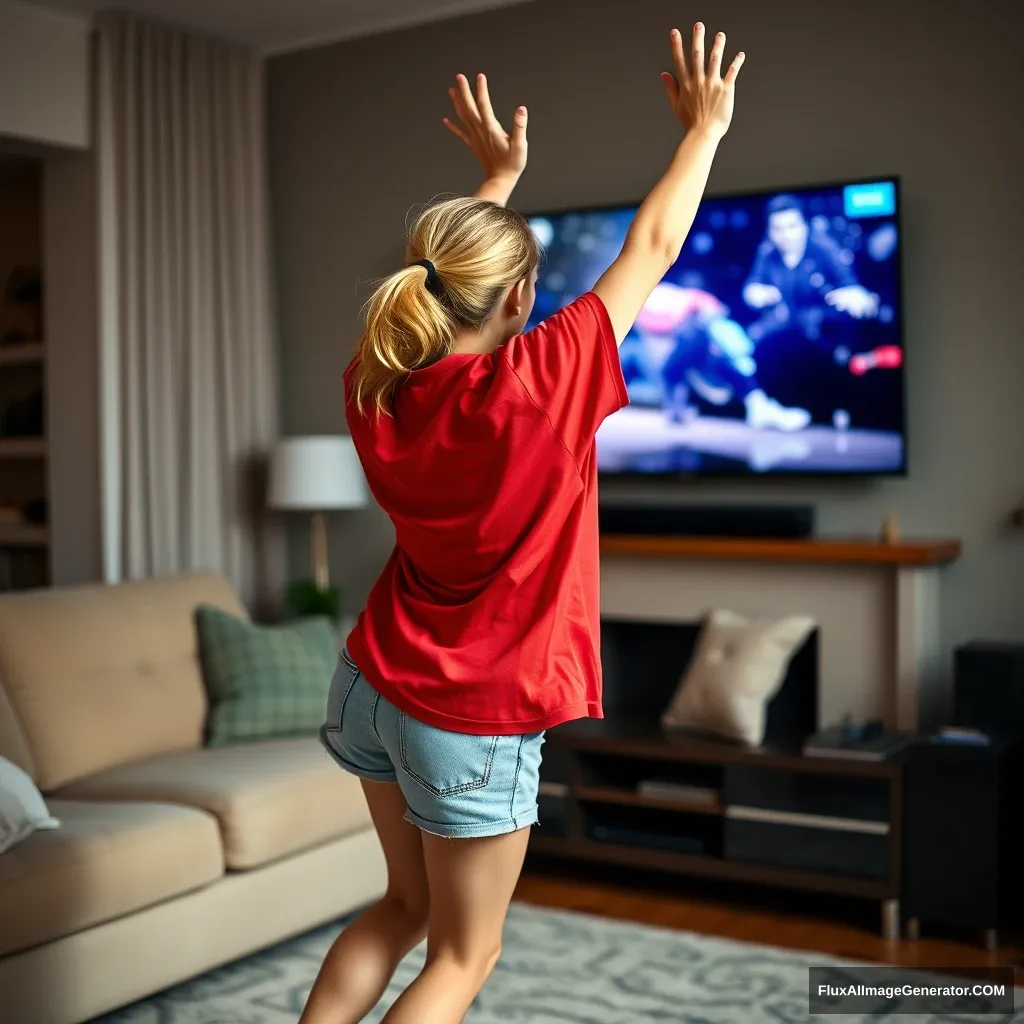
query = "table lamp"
x=317 y=475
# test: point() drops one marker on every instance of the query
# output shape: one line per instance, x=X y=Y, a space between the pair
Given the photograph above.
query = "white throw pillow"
x=22 y=807
x=737 y=668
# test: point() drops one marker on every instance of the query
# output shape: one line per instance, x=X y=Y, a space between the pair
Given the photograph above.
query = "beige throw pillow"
x=737 y=668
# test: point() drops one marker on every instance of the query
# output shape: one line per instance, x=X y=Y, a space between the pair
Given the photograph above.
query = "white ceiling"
x=275 y=26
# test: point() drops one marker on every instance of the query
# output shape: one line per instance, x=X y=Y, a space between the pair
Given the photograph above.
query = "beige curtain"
x=187 y=348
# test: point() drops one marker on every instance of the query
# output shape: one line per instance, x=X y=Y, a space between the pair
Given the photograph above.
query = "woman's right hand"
x=701 y=98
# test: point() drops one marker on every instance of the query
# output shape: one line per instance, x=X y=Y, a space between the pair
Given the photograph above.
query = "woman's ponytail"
x=406 y=327
x=462 y=254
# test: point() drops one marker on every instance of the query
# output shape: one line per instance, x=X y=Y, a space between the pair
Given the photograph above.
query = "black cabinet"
x=631 y=794
x=815 y=821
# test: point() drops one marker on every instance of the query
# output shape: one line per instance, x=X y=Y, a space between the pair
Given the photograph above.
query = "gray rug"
x=556 y=968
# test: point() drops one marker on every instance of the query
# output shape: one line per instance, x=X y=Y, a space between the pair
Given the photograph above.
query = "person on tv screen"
x=798 y=270
x=686 y=341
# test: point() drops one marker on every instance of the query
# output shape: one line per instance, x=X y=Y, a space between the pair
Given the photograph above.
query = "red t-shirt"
x=486 y=617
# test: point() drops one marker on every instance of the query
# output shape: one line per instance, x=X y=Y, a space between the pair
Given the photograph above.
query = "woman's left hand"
x=502 y=156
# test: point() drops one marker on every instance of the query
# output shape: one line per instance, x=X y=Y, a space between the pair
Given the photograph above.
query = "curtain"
x=187 y=353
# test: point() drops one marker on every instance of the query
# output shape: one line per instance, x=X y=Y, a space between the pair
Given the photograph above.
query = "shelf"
x=23 y=535
x=708 y=867
x=627 y=798
x=22 y=447
x=25 y=353
x=820 y=550
x=611 y=737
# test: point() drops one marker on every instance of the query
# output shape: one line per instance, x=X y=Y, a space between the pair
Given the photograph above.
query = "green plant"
x=306 y=600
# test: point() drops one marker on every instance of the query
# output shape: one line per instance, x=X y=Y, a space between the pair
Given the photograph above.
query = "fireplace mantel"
x=830 y=550
x=877 y=604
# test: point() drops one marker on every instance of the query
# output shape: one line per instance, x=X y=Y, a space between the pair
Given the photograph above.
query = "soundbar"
x=778 y=522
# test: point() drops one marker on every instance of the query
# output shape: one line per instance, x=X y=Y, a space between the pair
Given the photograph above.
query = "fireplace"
x=643 y=662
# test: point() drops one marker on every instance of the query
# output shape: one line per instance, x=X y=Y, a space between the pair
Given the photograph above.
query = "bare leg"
x=363 y=958
x=471 y=885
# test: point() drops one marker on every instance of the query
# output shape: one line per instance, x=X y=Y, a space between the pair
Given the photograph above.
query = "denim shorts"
x=455 y=785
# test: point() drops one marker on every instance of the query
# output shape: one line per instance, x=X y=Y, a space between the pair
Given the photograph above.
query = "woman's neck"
x=479 y=340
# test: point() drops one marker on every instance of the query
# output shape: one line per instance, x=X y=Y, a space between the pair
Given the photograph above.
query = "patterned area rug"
x=556 y=968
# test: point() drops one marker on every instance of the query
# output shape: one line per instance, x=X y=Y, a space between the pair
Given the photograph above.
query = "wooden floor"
x=844 y=929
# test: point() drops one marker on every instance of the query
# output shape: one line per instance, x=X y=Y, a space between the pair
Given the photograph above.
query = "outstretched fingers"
x=483 y=100
x=678 y=58
x=697 y=92
x=715 y=60
x=519 y=121
x=734 y=68
x=671 y=88
x=697 y=52
x=456 y=130
x=465 y=104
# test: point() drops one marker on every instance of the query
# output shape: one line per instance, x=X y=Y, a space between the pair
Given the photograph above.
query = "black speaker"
x=988 y=688
x=782 y=522
x=961 y=845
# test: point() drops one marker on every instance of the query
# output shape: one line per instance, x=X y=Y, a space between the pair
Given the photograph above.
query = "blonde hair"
x=479 y=249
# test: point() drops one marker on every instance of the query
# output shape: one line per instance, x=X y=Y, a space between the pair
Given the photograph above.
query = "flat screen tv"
x=774 y=345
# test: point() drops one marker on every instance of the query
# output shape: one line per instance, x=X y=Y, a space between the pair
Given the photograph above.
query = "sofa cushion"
x=272 y=798
x=106 y=860
x=99 y=676
x=264 y=682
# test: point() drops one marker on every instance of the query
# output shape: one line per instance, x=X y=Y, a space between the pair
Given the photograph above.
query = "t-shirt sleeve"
x=569 y=365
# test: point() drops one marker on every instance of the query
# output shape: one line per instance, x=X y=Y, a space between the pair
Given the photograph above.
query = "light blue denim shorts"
x=455 y=785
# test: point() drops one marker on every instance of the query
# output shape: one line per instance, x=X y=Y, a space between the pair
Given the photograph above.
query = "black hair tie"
x=432 y=282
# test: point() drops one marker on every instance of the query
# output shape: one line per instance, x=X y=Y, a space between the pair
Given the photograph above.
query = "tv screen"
x=773 y=345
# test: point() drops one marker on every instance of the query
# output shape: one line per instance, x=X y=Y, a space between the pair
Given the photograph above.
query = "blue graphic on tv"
x=875 y=200
x=773 y=345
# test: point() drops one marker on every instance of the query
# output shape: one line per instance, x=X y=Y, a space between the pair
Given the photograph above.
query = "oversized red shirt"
x=486 y=617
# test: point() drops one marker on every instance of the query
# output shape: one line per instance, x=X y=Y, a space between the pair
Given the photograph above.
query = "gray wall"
x=44 y=74
x=72 y=367
x=829 y=91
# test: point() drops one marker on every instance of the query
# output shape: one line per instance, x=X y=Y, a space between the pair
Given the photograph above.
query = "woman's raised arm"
x=702 y=100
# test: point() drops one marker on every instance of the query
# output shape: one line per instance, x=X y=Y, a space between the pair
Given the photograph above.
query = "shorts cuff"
x=363 y=773
x=481 y=830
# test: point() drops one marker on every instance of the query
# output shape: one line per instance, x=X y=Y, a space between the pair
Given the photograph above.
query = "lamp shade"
x=315 y=474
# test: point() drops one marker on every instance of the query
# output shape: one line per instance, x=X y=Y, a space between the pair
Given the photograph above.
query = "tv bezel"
x=734 y=474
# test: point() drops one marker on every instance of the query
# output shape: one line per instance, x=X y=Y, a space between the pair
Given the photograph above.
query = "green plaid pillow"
x=264 y=682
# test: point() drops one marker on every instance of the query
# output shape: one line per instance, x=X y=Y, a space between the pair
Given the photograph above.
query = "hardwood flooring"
x=795 y=921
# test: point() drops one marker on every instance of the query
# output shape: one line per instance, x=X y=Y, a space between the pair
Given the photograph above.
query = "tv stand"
x=767 y=816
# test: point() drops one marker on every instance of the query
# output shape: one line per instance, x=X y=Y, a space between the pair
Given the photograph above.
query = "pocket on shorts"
x=345 y=675
x=444 y=763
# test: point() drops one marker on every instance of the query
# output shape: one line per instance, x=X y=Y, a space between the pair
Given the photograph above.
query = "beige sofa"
x=171 y=858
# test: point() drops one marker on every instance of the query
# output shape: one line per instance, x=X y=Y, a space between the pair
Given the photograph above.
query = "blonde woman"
x=481 y=633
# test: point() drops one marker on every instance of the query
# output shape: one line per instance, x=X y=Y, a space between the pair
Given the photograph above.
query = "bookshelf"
x=24 y=529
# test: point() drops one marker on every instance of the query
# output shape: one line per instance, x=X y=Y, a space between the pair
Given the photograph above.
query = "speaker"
x=780 y=522
x=961 y=840
x=988 y=687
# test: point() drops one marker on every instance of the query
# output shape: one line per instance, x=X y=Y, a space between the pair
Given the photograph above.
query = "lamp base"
x=318 y=550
